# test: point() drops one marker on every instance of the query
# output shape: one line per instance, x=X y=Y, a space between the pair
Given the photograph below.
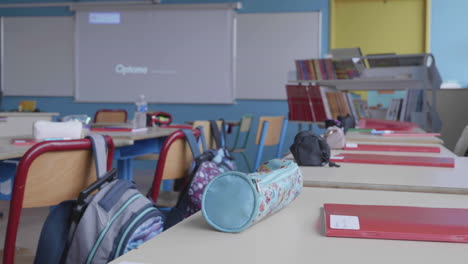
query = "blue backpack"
x=99 y=226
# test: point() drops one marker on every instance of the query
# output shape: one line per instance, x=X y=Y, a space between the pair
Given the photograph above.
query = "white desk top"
x=10 y=151
x=296 y=235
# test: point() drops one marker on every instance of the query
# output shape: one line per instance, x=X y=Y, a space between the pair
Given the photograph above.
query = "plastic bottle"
x=140 y=112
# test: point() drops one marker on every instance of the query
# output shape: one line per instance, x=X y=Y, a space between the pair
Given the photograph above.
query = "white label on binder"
x=351 y=145
x=344 y=222
x=337 y=158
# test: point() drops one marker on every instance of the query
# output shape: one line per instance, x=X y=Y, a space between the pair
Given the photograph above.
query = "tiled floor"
x=33 y=218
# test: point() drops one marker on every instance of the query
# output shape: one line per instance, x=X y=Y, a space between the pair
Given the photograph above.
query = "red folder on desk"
x=396 y=148
x=397 y=222
x=394 y=160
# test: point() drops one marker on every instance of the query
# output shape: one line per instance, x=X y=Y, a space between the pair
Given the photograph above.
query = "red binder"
x=395 y=148
x=397 y=222
x=394 y=160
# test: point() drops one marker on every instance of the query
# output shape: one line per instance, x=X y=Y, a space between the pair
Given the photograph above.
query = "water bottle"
x=140 y=112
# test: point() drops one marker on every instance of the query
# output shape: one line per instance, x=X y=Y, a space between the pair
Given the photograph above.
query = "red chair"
x=111 y=116
x=174 y=162
x=48 y=173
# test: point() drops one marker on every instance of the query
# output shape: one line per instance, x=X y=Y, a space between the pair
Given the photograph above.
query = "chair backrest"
x=110 y=116
x=48 y=173
x=245 y=126
x=273 y=133
x=461 y=148
x=209 y=139
x=175 y=159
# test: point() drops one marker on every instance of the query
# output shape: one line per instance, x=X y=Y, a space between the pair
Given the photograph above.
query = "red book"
x=377 y=124
x=397 y=222
x=117 y=129
x=395 y=160
x=370 y=147
x=315 y=98
x=298 y=103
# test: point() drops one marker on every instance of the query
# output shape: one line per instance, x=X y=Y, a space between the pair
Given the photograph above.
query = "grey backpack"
x=109 y=218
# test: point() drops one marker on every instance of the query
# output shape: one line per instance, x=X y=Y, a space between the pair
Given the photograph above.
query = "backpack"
x=309 y=149
x=99 y=226
x=347 y=122
x=335 y=137
x=204 y=168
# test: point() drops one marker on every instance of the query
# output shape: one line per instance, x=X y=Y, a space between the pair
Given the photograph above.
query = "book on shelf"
x=305 y=103
x=315 y=69
x=345 y=69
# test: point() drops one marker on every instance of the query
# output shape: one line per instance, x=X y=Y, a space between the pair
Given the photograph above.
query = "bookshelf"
x=394 y=72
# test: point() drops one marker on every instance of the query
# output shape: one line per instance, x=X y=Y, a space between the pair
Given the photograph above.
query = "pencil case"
x=233 y=201
x=43 y=129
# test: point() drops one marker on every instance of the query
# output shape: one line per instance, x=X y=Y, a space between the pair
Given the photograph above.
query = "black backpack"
x=309 y=149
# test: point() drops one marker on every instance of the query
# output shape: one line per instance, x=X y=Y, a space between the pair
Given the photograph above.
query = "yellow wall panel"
x=379 y=26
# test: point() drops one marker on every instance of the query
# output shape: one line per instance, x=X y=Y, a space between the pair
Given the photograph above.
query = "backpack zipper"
x=132 y=228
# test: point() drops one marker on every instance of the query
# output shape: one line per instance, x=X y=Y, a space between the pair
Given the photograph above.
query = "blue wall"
x=449 y=39
x=184 y=112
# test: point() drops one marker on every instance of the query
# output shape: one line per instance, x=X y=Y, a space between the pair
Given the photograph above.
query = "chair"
x=174 y=162
x=209 y=139
x=48 y=173
x=245 y=126
x=461 y=148
x=270 y=132
x=110 y=116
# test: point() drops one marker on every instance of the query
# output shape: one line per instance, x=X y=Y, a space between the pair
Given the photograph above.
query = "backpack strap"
x=216 y=134
x=99 y=145
x=192 y=142
x=202 y=138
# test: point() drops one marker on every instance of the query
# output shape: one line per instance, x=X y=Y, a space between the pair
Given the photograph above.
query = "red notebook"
x=369 y=147
x=410 y=134
x=397 y=222
x=394 y=160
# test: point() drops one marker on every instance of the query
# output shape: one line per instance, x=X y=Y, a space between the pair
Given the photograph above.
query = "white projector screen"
x=170 y=56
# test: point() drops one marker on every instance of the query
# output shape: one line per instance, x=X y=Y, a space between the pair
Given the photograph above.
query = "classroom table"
x=392 y=177
x=128 y=145
x=296 y=235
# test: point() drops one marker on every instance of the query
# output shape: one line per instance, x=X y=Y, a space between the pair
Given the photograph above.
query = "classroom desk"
x=21 y=123
x=141 y=143
x=296 y=235
x=128 y=146
x=391 y=177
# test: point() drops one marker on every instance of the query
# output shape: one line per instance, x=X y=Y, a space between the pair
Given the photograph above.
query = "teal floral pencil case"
x=233 y=201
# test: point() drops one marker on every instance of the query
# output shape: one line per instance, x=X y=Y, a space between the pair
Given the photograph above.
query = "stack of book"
x=326 y=69
x=314 y=103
